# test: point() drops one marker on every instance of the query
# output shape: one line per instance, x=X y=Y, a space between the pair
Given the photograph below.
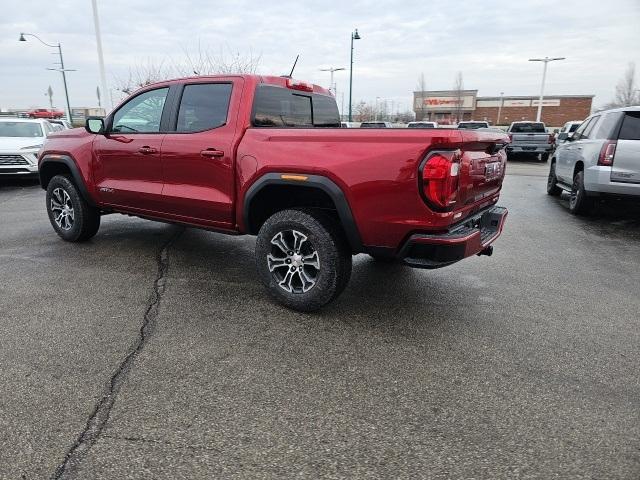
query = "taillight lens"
x=607 y=152
x=552 y=139
x=439 y=177
x=510 y=137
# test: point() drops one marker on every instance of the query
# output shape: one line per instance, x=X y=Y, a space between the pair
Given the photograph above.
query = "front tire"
x=73 y=219
x=544 y=157
x=579 y=202
x=303 y=259
x=552 y=182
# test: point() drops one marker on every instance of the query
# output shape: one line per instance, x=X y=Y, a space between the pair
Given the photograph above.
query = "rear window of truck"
x=280 y=107
x=528 y=128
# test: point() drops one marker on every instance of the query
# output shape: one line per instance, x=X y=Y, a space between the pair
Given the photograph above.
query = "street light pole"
x=546 y=61
x=61 y=69
x=354 y=36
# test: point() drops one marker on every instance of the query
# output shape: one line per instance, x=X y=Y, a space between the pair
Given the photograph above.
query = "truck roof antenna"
x=294 y=66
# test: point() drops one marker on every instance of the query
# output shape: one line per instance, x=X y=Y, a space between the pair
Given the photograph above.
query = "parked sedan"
x=20 y=140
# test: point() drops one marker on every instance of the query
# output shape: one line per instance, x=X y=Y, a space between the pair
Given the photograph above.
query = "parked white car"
x=422 y=124
x=376 y=125
x=20 y=140
x=566 y=130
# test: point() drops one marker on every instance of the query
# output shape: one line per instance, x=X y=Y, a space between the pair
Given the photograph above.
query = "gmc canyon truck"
x=265 y=156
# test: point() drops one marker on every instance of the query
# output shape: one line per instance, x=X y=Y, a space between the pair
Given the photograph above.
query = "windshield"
x=473 y=125
x=421 y=125
x=20 y=129
x=528 y=128
x=372 y=125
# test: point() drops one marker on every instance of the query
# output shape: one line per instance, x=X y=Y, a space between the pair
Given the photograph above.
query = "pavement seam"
x=100 y=415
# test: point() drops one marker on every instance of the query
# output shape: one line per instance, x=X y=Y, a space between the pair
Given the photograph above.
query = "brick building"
x=444 y=106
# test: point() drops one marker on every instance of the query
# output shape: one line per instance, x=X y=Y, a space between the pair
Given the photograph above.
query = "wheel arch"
x=52 y=165
x=578 y=167
x=305 y=191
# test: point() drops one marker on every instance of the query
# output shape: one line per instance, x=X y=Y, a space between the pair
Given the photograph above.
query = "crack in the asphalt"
x=100 y=415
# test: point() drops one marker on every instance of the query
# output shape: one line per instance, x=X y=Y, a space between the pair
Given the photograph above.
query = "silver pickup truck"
x=531 y=138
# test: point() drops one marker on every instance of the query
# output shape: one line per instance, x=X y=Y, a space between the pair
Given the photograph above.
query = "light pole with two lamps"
x=61 y=69
x=546 y=61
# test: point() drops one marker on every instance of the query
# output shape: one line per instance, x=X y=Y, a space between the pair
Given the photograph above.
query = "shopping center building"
x=445 y=106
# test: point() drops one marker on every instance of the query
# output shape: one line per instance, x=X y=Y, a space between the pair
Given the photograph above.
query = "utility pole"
x=546 y=61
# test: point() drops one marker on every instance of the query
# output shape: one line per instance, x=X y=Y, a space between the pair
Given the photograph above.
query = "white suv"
x=600 y=159
x=20 y=140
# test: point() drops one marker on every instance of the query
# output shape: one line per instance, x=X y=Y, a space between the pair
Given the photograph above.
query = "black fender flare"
x=312 y=181
x=73 y=168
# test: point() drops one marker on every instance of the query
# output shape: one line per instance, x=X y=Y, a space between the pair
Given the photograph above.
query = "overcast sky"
x=489 y=41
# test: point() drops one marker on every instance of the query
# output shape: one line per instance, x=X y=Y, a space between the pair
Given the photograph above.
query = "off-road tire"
x=552 y=182
x=322 y=235
x=83 y=220
x=579 y=202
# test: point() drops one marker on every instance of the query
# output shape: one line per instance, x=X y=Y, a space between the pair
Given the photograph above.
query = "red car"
x=45 y=113
x=265 y=156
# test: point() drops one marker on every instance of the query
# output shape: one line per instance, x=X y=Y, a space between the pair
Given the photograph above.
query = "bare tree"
x=204 y=62
x=144 y=73
x=626 y=92
x=364 y=111
x=421 y=87
x=201 y=62
x=458 y=89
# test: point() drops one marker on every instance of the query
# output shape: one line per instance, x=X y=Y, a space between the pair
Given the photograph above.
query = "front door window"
x=141 y=114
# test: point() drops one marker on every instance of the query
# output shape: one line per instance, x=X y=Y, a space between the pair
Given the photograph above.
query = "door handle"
x=212 y=152
x=146 y=150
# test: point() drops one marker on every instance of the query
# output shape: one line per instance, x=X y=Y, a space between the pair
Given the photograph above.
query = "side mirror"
x=94 y=125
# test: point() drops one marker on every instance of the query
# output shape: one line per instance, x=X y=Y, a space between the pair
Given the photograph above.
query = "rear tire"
x=73 y=219
x=303 y=259
x=552 y=182
x=579 y=202
x=544 y=157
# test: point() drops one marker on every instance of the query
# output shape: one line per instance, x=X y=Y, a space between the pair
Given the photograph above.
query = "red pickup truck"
x=45 y=113
x=265 y=156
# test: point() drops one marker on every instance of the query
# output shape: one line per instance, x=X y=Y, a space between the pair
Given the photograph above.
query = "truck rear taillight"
x=439 y=174
x=551 y=139
x=510 y=137
x=298 y=85
x=607 y=152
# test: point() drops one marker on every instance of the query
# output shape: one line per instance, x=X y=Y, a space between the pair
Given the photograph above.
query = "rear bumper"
x=472 y=237
x=534 y=148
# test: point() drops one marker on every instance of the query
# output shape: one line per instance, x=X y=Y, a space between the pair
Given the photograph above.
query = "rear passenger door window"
x=203 y=106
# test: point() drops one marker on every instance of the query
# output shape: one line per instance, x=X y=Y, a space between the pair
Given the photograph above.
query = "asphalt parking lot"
x=153 y=352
